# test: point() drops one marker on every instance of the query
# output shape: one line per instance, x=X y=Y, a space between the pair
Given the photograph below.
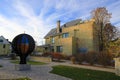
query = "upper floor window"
x=53 y=40
x=65 y=35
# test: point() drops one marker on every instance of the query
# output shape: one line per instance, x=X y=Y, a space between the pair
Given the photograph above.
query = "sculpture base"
x=22 y=67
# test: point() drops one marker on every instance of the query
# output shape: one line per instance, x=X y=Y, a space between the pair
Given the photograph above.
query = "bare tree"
x=109 y=34
x=104 y=30
x=101 y=16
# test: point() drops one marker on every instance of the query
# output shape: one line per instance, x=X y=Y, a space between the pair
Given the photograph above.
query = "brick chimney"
x=58 y=26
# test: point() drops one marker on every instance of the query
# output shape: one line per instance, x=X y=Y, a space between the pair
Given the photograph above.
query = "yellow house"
x=73 y=37
x=4 y=46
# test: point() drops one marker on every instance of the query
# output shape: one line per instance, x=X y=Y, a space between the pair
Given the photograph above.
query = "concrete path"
x=40 y=72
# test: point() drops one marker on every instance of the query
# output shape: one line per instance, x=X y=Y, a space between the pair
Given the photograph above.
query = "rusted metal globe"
x=23 y=45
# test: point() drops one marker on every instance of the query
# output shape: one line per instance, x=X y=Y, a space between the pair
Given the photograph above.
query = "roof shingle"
x=53 y=31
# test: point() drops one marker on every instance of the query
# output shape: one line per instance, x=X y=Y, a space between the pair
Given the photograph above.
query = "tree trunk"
x=101 y=48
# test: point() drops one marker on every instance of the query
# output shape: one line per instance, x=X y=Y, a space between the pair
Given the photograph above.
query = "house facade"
x=4 y=46
x=73 y=37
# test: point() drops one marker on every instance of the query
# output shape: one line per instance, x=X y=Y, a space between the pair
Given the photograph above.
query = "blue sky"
x=37 y=17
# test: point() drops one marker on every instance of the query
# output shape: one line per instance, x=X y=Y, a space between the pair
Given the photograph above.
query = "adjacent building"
x=73 y=37
x=5 y=47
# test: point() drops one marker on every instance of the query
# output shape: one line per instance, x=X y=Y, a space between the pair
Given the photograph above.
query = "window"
x=65 y=35
x=82 y=50
x=1 y=40
x=53 y=40
x=4 y=46
x=52 y=48
x=59 y=49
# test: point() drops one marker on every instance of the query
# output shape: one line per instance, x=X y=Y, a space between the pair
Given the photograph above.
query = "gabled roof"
x=72 y=23
x=4 y=41
x=53 y=31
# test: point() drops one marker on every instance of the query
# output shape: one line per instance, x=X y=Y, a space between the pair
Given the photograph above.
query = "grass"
x=83 y=74
x=29 y=62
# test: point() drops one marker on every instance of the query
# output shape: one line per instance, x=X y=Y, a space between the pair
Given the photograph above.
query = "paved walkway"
x=39 y=72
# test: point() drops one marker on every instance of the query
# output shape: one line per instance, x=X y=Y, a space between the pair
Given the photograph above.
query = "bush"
x=46 y=54
x=68 y=57
x=12 y=56
x=91 y=57
x=73 y=59
x=80 y=57
x=57 y=56
x=64 y=56
x=105 y=58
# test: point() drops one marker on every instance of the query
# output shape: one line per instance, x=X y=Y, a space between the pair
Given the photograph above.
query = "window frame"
x=65 y=35
x=59 y=49
x=52 y=40
x=1 y=41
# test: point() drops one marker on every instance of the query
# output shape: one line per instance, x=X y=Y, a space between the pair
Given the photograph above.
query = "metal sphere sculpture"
x=23 y=45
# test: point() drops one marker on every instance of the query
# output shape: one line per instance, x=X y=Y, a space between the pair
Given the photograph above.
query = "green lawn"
x=29 y=62
x=83 y=74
